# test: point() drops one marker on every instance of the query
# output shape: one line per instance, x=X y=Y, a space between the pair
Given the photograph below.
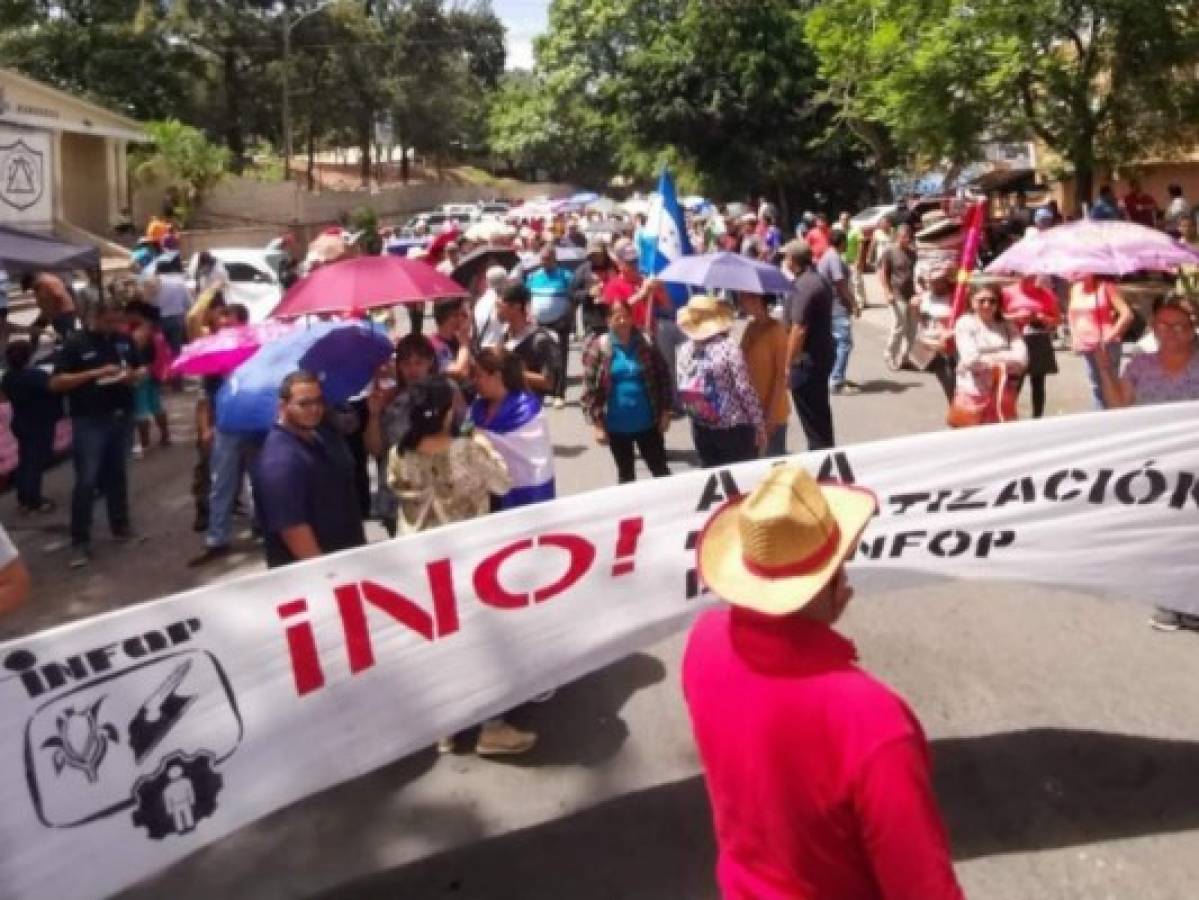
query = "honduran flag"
x=664 y=237
x=520 y=435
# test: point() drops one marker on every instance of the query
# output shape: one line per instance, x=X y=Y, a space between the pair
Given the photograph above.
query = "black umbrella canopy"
x=24 y=251
x=471 y=271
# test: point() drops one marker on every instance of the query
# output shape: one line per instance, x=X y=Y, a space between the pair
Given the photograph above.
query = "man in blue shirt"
x=304 y=480
x=549 y=285
x=1105 y=208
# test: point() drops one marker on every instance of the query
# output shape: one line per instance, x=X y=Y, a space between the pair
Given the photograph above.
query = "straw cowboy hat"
x=775 y=549
x=704 y=317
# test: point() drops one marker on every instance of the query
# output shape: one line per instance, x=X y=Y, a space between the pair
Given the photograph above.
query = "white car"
x=870 y=217
x=253 y=278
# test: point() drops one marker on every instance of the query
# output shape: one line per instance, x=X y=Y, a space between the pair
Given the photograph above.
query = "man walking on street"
x=549 y=286
x=304 y=480
x=818 y=774
x=897 y=275
x=845 y=309
x=810 y=348
x=96 y=371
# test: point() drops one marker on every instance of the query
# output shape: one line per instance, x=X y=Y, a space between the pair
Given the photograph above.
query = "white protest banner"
x=132 y=739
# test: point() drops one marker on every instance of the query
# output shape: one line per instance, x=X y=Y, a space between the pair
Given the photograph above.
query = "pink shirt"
x=818 y=774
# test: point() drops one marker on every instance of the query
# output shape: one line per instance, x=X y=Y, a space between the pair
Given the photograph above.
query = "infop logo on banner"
x=142 y=723
x=22 y=175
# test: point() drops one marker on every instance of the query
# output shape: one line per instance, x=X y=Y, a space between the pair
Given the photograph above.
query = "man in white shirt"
x=488 y=327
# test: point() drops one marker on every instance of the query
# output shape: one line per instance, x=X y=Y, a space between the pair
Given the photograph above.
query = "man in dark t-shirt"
x=96 y=370
x=536 y=347
x=810 y=346
x=304 y=480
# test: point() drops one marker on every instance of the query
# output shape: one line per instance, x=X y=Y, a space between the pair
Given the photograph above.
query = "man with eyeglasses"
x=304 y=480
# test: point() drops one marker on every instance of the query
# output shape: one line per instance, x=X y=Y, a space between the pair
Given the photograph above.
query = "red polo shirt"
x=1141 y=208
x=818 y=774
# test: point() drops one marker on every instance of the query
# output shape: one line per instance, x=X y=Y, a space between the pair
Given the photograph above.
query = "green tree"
x=1099 y=82
x=103 y=51
x=727 y=93
x=182 y=160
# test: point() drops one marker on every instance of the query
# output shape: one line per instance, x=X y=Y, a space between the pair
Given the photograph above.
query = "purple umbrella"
x=1094 y=248
x=726 y=271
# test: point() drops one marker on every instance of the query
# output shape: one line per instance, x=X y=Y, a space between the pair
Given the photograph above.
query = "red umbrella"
x=365 y=283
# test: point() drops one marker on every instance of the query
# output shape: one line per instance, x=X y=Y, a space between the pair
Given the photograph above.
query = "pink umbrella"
x=1094 y=248
x=368 y=282
x=221 y=353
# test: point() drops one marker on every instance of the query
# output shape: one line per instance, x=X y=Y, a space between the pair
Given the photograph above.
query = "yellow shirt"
x=764 y=346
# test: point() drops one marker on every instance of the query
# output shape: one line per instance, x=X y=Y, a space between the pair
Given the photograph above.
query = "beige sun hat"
x=704 y=317
x=774 y=550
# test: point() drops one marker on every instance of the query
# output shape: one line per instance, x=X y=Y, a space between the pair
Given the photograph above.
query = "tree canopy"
x=820 y=99
x=1098 y=82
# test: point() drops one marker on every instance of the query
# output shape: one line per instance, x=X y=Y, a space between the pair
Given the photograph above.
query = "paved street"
x=1066 y=751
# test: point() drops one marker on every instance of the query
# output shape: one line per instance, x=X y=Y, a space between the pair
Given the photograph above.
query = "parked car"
x=434 y=221
x=493 y=210
x=253 y=278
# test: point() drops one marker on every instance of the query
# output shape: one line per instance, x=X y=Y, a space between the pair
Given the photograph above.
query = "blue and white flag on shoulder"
x=664 y=237
x=519 y=433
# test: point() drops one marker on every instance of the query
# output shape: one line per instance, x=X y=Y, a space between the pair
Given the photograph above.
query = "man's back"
x=817 y=772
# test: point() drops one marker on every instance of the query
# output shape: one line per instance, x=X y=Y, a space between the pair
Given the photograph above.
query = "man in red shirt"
x=818 y=774
x=818 y=237
x=1139 y=206
x=630 y=288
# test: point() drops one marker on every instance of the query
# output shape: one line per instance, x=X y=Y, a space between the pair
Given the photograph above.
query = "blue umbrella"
x=585 y=198
x=344 y=356
x=726 y=271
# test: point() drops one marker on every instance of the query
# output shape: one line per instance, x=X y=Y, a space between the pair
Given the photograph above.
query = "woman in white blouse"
x=991 y=357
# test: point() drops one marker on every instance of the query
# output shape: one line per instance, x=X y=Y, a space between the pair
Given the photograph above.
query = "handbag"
x=999 y=405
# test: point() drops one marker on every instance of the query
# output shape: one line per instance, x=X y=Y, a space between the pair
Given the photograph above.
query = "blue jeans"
x=101 y=446
x=843 y=336
x=225 y=470
x=1114 y=352
x=174 y=330
x=35 y=452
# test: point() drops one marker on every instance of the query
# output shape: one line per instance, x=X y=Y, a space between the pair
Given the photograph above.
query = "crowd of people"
x=455 y=426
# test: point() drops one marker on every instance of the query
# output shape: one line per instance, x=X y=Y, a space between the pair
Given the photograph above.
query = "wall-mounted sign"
x=26 y=177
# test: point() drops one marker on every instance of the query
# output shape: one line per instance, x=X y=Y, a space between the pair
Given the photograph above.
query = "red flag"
x=972 y=223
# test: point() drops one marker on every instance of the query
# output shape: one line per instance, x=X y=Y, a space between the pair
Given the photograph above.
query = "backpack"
x=698 y=391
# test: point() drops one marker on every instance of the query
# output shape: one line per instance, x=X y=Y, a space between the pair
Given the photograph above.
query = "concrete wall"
x=244 y=202
x=85 y=181
x=193 y=241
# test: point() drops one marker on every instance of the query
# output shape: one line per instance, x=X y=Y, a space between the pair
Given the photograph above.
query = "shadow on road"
x=581 y=724
x=884 y=386
x=1000 y=793
x=650 y=845
x=569 y=451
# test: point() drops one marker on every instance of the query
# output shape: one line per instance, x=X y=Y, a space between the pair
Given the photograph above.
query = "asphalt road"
x=1065 y=748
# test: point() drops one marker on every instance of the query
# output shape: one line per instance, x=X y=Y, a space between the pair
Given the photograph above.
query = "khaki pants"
x=903 y=331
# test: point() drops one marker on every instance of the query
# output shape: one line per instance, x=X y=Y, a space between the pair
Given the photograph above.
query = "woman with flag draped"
x=512 y=419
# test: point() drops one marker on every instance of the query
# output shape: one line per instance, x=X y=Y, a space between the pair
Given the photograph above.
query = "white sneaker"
x=138 y=452
x=559 y=403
